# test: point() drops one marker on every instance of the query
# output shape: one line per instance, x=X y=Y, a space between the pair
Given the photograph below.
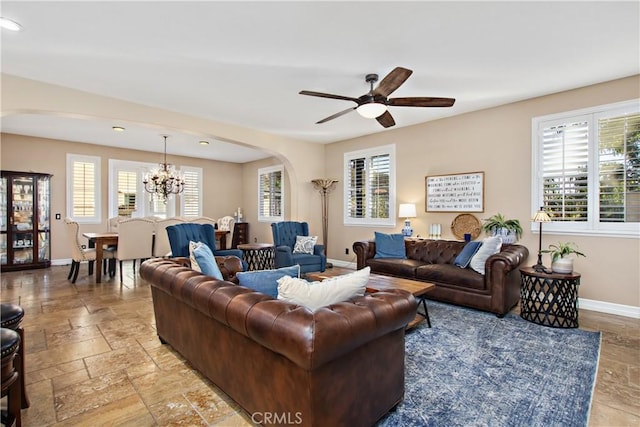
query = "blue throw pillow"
x=464 y=258
x=390 y=246
x=266 y=281
x=205 y=262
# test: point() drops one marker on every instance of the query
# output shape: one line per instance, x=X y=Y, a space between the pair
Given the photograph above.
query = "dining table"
x=110 y=238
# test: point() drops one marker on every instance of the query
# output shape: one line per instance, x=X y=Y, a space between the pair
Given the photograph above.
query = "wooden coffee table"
x=380 y=282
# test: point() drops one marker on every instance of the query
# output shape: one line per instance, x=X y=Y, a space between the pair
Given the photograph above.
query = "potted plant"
x=497 y=225
x=561 y=262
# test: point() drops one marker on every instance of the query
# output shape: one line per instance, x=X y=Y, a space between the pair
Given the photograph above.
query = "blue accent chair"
x=284 y=239
x=181 y=234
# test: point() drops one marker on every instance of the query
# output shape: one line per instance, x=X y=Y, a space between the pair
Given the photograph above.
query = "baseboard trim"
x=609 y=307
x=343 y=264
x=61 y=261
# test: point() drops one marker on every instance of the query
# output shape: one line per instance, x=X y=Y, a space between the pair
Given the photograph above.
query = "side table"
x=259 y=256
x=549 y=299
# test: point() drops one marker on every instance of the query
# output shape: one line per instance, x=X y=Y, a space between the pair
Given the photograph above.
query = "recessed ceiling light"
x=203 y=142
x=10 y=25
x=117 y=128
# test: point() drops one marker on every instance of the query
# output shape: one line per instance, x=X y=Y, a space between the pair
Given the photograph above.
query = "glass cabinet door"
x=44 y=216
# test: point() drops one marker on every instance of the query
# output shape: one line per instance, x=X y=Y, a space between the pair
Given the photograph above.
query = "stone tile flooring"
x=93 y=358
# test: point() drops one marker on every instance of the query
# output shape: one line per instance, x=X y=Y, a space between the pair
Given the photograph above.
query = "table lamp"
x=407 y=210
x=540 y=217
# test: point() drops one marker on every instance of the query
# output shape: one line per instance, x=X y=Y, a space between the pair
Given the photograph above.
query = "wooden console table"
x=549 y=299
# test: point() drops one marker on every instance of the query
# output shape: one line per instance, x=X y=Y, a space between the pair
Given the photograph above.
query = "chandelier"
x=164 y=180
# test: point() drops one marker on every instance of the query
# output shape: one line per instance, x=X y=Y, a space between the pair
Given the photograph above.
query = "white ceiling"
x=245 y=62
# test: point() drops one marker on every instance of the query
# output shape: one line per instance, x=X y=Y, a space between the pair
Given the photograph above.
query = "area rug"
x=474 y=369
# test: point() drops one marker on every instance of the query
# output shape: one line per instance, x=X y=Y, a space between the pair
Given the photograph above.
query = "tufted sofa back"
x=433 y=251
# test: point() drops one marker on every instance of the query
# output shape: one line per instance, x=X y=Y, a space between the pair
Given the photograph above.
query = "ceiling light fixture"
x=117 y=128
x=203 y=142
x=164 y=180
x=371 y=110
x=9 y=24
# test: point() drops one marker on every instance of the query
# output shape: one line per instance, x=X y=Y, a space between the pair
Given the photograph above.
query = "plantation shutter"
x=356 y=191
x=84 y=189
x=565 y=170
x=127 y=192
x=191 y=194
x=619 y=168
x=379 y=186
x=270 y=194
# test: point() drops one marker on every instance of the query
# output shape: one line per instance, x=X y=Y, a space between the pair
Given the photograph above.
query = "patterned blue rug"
x=473 y=369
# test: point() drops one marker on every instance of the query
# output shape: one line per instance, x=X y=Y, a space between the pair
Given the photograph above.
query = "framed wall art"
x=461 y=192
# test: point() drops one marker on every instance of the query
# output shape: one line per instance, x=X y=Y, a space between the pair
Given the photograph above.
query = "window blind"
x=127 y=192
x=270 y=197
x=191 y=193
x=83 y=189
x=565 y=155
x=619 y=168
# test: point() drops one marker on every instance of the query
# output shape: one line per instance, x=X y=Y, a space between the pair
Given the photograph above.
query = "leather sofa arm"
x=364 y=250
x=509 y=258
x=309 y=339
x=228 y=265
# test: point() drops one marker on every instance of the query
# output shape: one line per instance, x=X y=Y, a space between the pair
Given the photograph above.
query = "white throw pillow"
x=320 y=294
x=305 y=244
x=490 y=246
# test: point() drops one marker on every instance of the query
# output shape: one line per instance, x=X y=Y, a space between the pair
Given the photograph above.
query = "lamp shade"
x=371 y=110
x=407 y=210
x=541 y=216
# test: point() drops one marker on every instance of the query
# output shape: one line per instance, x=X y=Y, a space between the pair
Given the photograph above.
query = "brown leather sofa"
x=342 y=365
x=432 y=261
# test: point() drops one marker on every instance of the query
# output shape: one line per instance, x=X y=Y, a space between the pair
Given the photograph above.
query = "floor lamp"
x=324 y=186
x=540 y=217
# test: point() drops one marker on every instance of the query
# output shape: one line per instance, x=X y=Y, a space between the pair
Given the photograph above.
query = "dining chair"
x=161 y=244
x=226 y=223
x=80 y=254
x=135 y=241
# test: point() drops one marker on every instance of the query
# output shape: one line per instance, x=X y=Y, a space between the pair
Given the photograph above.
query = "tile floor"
x=93 y=358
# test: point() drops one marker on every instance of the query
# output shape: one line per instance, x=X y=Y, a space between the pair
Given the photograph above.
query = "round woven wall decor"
x=466 y=224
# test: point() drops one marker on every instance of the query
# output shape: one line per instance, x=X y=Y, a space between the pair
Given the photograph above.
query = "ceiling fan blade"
x=392 y=81
x=386 y=119
x=421 y=102
x=336 y=115
x=327 y=95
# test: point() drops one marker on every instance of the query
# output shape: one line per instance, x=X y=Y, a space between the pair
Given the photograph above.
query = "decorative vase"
x=507 y=236
x=563 y=265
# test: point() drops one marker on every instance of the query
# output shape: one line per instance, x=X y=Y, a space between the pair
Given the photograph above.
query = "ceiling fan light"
x=9 y=24
x=371 y=110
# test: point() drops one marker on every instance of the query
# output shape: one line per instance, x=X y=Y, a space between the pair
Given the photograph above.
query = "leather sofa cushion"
x=394 y=266
x=447 y=273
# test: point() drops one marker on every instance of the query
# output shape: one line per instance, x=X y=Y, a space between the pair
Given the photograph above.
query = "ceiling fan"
x=374 y=103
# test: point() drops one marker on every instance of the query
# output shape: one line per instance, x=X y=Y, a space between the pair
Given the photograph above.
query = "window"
x=191 y=199
x=586 y=169
x=127 y=196
x=369 y=187
x=270 y=194
x=83 y=188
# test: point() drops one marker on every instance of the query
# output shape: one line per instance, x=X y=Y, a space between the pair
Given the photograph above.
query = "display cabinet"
x=25 y=217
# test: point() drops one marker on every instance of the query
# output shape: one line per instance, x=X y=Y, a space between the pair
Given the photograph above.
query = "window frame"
x=592 y=226
x=266 y=171
x=97 y=162
x=368 y=153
